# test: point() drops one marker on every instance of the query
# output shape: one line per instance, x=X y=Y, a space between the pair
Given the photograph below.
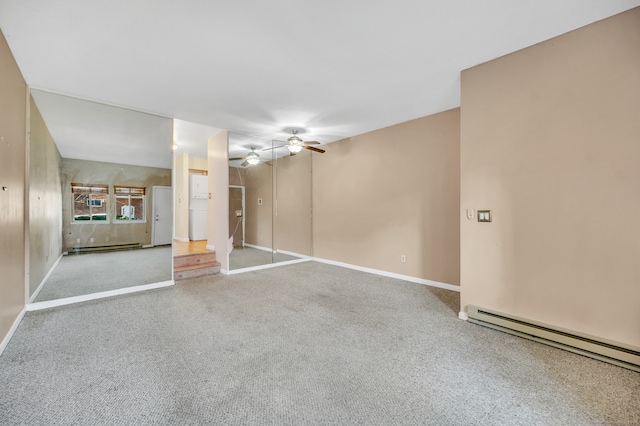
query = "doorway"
x=236 y=215
x=162 y=215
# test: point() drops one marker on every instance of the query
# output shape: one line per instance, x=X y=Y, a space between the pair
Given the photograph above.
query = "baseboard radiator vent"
x=115 y=247
x=622 y=355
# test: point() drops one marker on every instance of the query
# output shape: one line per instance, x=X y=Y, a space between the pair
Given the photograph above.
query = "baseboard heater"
x=115 y=247
x=622 y=355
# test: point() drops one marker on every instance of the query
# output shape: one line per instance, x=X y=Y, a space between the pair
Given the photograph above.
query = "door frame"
x=244 y=211
x=153 y=213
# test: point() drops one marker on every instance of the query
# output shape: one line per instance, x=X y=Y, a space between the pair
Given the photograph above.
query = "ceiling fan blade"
x=269 y=149
x=321 y=151
x=236 y=159
x=245 y=164
x=312 y=143
x=291 y=153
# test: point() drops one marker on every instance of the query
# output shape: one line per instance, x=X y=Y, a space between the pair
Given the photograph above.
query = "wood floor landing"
x=180 y=248
x=193 y=259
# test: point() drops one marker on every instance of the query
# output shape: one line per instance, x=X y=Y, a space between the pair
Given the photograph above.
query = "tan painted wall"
x=198 y=164
x=218 y=207
x=259 y=221
x=13 y=122
x=82 y=171
x=293 y=230
x=45 y=200
x=550 y=144
x=390 y=192
x=181 y=197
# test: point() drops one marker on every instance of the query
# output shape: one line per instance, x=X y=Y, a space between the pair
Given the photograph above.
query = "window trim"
x=122 y=191
x=88 y=188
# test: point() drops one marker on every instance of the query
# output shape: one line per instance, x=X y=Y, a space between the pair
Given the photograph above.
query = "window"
x=130 y=203
x=89 y=202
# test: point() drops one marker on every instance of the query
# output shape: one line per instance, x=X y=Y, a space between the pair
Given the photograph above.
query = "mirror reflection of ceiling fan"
x=295 y=144
x=252 y=158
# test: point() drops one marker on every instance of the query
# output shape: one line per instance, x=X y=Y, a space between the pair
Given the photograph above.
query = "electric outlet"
x=77 y=240
x=107 y=239
x=403 y=258
x=91 y=239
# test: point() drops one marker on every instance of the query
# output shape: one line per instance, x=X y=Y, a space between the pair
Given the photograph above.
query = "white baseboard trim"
x=148 y=246
x=44 y=280
x=224 y=271
x=208 y=247
x=182 y=240
x=267 y=266
x=94 y=296
x=391 y=275
x=463 y=315
x=12 y=330
x=258 y=247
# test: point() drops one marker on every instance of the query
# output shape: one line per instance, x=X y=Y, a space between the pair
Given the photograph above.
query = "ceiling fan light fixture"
x=295 y=144
x=253 y=158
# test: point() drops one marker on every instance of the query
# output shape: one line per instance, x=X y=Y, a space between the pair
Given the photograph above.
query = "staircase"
x=192 y=265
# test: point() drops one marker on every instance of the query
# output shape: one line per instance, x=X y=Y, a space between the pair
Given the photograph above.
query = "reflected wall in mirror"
x=100 y=186
x=275 y=224
x=251 y=221
x=293 y=219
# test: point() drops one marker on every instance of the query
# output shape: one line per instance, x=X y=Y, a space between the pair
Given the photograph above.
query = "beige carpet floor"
x=304 y=344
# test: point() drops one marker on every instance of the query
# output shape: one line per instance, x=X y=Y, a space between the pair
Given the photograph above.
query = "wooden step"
x=194 y=259
x=198 y=270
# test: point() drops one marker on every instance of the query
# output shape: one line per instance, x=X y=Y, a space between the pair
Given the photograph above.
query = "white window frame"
x=129 y=192
x=90 y=189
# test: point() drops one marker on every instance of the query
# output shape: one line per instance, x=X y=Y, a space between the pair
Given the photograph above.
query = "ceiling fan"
x=295 y=144
x=252 y=158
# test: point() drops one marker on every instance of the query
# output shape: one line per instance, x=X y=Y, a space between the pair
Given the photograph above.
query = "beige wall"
x=550 y=144
x=82 y=171
x=45 y=200
x=218 y=207
x=181 y=197
x=391 y=192
x=285 y=222
x=13 y=122
x=292 y=231
x=259 y=221
x=198 y=164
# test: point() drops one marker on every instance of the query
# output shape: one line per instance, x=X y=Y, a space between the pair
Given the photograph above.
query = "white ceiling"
x=192 y=137
x=335 y=68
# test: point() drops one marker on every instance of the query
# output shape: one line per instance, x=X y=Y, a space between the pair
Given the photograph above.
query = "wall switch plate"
x=259 y=201
x=403 y=258
x=470 y=214
x=484 y=215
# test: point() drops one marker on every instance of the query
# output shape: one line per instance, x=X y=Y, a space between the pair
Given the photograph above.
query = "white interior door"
x=162 y=215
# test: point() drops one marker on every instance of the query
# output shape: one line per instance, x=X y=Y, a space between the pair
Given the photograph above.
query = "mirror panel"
x=100 y=186
x=275 y=224
x=292 y=230
x=252 y=228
